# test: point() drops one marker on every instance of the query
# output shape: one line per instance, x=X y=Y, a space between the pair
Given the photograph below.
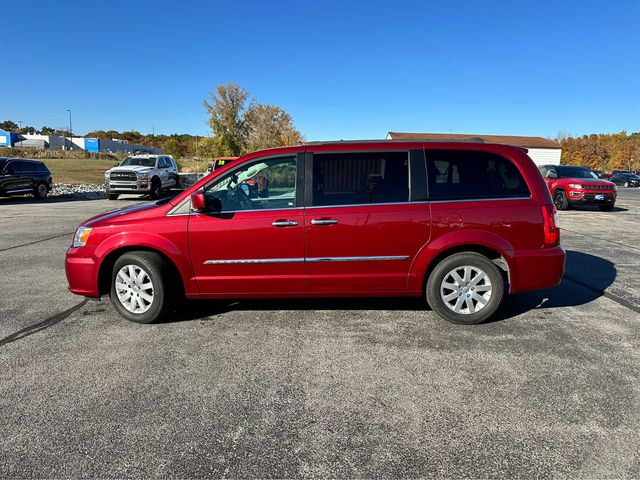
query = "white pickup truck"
x=145 y=174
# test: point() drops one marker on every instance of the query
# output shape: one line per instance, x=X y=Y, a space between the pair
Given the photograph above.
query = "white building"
x=541 y=150
x=55 y=142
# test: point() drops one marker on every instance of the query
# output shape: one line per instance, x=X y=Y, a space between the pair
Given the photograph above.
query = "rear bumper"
x=537 y=269
x=82 y=274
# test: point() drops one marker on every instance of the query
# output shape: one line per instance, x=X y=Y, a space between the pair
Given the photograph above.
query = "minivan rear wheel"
x=465 y=288
x=142 y=289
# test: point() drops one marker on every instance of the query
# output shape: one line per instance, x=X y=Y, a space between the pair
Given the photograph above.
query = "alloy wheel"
x=466 y=290
x=134 y=289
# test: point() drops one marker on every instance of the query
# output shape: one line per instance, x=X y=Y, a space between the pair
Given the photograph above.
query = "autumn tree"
x=270 y=126
x=9 y=126
x=174 y=148
x=603 y=151
x=241 y=125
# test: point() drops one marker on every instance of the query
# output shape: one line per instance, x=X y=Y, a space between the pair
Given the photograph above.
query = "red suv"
x=572 y=185
x=457 y=223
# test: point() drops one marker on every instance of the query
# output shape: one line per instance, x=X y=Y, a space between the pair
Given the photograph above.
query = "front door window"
x=263 y=185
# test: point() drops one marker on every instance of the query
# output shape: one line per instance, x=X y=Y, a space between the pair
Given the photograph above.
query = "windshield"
x=138 y=162
x=575 y=172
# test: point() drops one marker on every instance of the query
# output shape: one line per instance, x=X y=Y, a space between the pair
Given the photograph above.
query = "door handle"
x=324 y=221
x=285 y=223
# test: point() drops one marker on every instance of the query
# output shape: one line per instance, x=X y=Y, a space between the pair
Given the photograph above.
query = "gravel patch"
x=84 y=191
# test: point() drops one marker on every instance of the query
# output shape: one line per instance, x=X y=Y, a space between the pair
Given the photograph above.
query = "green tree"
x=227 y=107
x=174 y=148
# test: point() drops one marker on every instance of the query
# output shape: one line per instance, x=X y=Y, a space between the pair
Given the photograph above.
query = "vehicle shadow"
x=29 y=200
x=586 y=279
x=594 y=208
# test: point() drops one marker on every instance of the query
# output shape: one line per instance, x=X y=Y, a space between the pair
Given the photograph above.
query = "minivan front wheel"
x=141 y=287
x=465 y=288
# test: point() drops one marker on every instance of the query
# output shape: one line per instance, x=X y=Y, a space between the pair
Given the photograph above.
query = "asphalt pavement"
x=337 y=388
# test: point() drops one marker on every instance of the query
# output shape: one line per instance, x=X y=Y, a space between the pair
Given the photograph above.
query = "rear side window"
x=20 y=167
x=460 y=175
x=41 y=167
x=360 y=178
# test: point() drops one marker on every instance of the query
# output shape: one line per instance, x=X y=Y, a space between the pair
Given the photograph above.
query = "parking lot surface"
x=365 y=388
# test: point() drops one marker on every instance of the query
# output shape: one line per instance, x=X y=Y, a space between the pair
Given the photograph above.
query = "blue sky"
x=341 y=69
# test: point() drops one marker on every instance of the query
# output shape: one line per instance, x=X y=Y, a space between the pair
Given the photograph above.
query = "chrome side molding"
x=380 y=258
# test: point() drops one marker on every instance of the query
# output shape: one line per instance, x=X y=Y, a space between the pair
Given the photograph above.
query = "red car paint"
x=522 y=231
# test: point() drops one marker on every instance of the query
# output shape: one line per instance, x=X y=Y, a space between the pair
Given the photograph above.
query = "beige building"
x=541 y=150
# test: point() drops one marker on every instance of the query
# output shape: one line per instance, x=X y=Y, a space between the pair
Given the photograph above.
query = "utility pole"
x=153 y=131
x=20 y=122
x=70 y=131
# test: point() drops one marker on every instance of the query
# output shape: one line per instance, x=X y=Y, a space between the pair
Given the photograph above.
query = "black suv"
x=19 y=176
x=625 y=179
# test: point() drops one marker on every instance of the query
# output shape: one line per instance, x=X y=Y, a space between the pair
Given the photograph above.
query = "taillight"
x=551 y=226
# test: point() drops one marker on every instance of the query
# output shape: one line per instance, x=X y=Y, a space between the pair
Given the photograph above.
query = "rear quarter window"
x=462 y=175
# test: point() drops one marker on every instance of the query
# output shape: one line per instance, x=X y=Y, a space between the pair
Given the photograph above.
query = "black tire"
x=41 y=191
x=606 y=208
x=164 y=288
x=113 y=196
x=156 y=189
x=560 y=200
x=442 y=270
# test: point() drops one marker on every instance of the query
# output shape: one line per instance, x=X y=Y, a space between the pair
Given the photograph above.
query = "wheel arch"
x=496 y=248
x=116 y=245
x=106 y=266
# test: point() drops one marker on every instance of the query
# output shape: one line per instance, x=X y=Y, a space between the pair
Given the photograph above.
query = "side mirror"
x=552 y=175
x=197 y=202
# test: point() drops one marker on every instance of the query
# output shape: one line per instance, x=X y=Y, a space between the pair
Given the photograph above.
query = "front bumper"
x=82 y=273
x=127 y=187
x=577 y=197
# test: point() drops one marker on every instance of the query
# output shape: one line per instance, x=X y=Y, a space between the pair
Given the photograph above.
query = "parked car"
x=458 y=223
x=219 y=162
x=574 y=185
x=19 y=176
x=146 y=174
x=625 y=179
x=599 y=173
x=607 y=176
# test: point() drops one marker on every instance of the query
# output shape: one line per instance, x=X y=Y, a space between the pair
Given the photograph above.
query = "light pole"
x=70 y=131
x=153 y=131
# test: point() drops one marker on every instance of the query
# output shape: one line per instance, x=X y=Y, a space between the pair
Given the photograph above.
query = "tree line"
x=240 y=124
x=608 y=151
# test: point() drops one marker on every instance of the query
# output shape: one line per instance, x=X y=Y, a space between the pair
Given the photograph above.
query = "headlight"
x=81 y=236
x=575 y=185
x=143 y=177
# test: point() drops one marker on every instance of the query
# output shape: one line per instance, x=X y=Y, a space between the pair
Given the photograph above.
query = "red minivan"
x=457 y=223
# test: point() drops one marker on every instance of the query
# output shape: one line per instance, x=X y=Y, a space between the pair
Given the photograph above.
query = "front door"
x=255 y=244
x=365 y=225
